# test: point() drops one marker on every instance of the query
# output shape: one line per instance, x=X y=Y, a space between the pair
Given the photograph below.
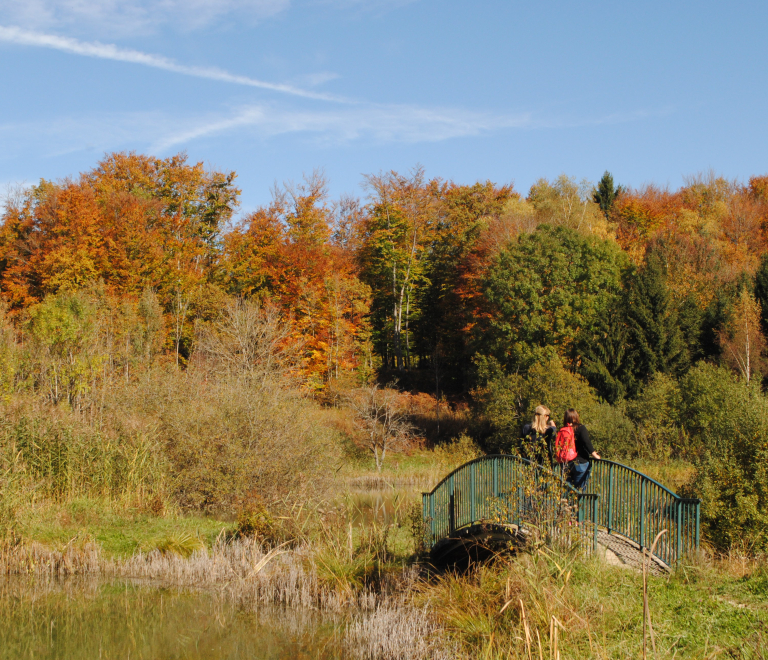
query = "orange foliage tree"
x=285 y=253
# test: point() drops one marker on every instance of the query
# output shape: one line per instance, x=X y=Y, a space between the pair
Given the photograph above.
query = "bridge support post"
x=679 y=531
x=698 y=518
x=451 y=507
x=642 y=513
x=610 y=498
x=432 y=516
x=472 y=493
x=594 y=523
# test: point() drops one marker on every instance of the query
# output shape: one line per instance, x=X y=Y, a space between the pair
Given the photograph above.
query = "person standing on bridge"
x=578 y=469
x=539 y=437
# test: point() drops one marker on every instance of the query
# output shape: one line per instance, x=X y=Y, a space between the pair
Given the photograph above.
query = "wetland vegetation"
x=213 y=436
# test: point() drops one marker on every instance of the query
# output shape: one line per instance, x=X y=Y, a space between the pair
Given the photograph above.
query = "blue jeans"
x=578 y=474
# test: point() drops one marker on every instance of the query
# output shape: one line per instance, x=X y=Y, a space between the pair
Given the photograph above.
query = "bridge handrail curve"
x=640 y=474
x=467 y=494
x=480 y=459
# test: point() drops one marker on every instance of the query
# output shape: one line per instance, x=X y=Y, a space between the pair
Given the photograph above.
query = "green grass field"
x=119 y=531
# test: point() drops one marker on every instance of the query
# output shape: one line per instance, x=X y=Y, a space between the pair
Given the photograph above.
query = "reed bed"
x=243 y=570
x=397 y=630
x=374 y=482
x=378 y=623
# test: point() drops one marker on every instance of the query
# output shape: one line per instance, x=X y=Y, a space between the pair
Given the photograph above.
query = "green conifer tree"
x=605 y=358
x=761 y=290
x=656 y=340
x=606 y=193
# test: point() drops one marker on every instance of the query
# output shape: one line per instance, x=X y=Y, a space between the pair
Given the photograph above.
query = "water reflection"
x=127 y=620
x=385 y=506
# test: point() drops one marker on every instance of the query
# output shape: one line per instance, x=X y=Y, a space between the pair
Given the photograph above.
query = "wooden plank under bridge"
x=500 y=496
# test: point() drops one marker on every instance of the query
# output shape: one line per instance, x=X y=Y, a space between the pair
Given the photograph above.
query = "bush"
x=726 y=420
x=654 y=414
x=456 y=452
x=507 y=403
x=227 y=443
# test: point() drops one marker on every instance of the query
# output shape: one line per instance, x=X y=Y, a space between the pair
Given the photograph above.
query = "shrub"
x=726 y=420
x=457 y=452
x=654 y=413
x=227 y=442
x=507 y=402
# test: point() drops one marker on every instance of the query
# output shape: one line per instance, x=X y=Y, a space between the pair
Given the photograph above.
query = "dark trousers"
x=578 y=474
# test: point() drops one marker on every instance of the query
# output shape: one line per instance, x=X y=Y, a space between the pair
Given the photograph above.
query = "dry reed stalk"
x=555 y=643
x=396 y=630
x=538 y=641
x=646 y=607
x=527 y=631
x=489 y=648
x=552 y=636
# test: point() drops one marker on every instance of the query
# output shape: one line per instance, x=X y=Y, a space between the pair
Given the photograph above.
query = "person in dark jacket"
x=578 y=469
x=539 y=437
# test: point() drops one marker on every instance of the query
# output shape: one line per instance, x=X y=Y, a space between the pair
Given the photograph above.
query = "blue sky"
x=500 y=90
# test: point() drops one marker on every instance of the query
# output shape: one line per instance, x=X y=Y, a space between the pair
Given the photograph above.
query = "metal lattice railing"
x=506 y=490
x=510 y=490
x=637 y=507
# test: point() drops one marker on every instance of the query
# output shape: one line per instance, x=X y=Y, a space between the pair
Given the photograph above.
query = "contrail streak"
x=111 y=52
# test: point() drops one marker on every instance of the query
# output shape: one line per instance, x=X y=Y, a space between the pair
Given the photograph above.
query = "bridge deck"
x=620 y=551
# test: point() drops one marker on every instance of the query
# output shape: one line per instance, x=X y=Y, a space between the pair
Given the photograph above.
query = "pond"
x=132 y=621
x=385 y=506
x=147 y=617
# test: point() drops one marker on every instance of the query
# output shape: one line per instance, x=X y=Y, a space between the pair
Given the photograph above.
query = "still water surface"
x=132 y=620
x=84 y=620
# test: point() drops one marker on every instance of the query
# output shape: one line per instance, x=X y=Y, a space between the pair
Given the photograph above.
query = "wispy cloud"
x=379 y=123
x=125 y=17
x=96 y=49
x=162 y=133
x=371 y=5
x=391 y=123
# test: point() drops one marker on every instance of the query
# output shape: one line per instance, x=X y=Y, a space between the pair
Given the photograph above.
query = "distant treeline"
x=647 y=307
x=423 y=277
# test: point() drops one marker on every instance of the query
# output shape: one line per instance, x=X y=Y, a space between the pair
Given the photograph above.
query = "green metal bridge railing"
x=506 y=490
x=510 y=490
x=637 y=507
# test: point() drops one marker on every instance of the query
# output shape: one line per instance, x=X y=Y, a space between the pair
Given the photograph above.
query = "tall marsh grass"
x=89 y=408
x=64 y=457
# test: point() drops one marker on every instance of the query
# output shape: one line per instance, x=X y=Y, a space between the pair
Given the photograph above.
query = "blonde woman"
x=538 y=437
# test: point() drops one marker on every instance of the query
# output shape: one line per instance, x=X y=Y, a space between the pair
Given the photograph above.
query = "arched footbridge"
x=493 y=498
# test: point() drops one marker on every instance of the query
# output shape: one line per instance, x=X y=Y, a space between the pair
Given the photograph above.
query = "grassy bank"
x=543 y=603
x=418 y=467
x=117 y=530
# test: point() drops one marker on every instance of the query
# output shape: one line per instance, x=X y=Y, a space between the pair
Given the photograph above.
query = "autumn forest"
x=646 y=308
x=421 y=278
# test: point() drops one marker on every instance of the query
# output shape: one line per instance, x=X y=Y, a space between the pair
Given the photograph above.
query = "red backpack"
x=565 y=445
